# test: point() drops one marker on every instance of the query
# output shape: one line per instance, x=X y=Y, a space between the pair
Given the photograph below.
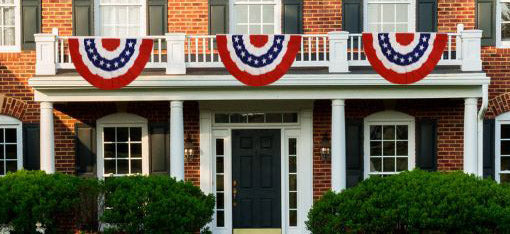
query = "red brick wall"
x=448 y=114
x=190 y=16
x=453 y=12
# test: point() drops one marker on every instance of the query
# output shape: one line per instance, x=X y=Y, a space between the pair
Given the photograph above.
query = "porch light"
x=325 y=148
x=188 y=148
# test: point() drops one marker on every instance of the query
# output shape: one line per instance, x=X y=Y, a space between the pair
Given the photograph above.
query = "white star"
x=249 y=59
x=382 y=36
x=239 y=47
x=108 y=65
x=264 y=61
x=385 y=45
x=278 y=40
x=424 y=39
x=402 y=60
x=101 y=62
x=275 y=49
x=270 y=56
x=395 y=57
x=130 y=44
x=116 y=64
x=243 y=54
x=88 y=42
x=122 y=60
x=410 y=59
x=128 y=53
x=91 y=50
x=236 y=38
x=94 y=57
x=422 y=47
x=416 y=54
x=256 y=61
x=388 y=52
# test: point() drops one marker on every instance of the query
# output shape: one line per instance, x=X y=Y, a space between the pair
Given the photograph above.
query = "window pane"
x=220 y=201
x=268 y=29
x=109 y=134
x=274 y=118
x=241 y=29
x=220 y=219
x=11 y=152
x=293 y=200
x=402 y=12
x=375 y=148
x=109 y=166
x=122 y=134
x=11 y=166
x=122 y=150
x=219 y=182
x=2 y=171
x=388 y=13
x=505 y=31
x=505 y=131
x=292 y=164
x=1 y=152
x=221 y=118
x=402 y=147
x=238 y=118
x=136 y=166
x=388 y=148
x=505 y=163
x=241 y=13
x=374 y=13
x=389 y=132
x=268 y=14
x=256 y=118
x=505 y=147
x=255 y=14
x=123 y=166
x=136 y=150
x=402 y=164
x=1 y=135
x=9 y=18
x=402 y=132
x=375 y=132
x=375 y=164
x=505 y=11
x=219 y=147
x=219 y=165
x=388 y=164
x=293 y=218
x=292 y=146
x=135 y=134
x=504 y=178
x=290 y=118
x=10 y=135
x=255 y=29
x=292 y=182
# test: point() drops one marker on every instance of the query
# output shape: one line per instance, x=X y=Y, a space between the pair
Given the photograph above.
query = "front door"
x=256 y=179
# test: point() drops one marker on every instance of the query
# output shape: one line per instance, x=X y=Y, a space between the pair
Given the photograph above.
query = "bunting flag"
x=258 y=60
x=110 y=63
x=404 y=58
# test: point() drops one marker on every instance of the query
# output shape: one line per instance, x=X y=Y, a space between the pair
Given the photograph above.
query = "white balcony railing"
x=336 y=50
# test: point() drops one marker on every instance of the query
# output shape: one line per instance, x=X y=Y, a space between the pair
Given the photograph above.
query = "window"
x=121 y=18
x=122 y=145
x=389 y=143
x=503 y=148
x=11 y=147
x=503 y=22
x=389 y=15
x=256 y=16
x=293 y=193
x=220 y=178
x=10 y=25
x=243 y=118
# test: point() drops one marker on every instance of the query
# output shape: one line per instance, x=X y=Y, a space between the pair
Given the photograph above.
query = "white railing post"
x=471 y=50
x=46 y=61
x=175 y=52
x=338 y=52
x=458 y=42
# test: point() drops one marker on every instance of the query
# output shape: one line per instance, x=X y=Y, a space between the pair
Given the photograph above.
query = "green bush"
x=155 y=204
x=413 y=202
x=31 y=197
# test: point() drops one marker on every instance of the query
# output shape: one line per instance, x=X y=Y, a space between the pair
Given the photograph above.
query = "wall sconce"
x=188 y=148
x=325 y=148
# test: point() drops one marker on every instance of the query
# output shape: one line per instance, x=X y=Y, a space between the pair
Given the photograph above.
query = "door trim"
x=303 y=131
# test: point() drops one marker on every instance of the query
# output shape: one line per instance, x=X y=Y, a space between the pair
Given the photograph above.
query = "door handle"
x=234 y=189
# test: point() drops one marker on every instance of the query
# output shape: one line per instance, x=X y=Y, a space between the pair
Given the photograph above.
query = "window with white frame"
x=389 y=143
x=389 y=15
x=11 y=145
x=255 y=16
x=10 y=25
x=122 y=145
x=121 y=18
x=292 y=176
x=502 y=164
x=503 y=23
x=220 y=185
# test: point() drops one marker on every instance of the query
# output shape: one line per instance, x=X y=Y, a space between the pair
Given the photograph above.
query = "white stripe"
x=109 y=54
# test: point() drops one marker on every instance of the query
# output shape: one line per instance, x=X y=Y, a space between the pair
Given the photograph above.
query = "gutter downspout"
x=481 y=115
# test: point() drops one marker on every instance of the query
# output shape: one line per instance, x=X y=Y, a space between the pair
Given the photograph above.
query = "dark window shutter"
x=83 y=17
x=218 y=17
x=158 y=16
x=85 y=149
x=489 y=148
x=292 y=15
x=426 y=145
x=352 y=16
x=426 y=16
x=31 y=158
x=354 y=151
x=486 y=21
x=31 y=21
x=160 y=148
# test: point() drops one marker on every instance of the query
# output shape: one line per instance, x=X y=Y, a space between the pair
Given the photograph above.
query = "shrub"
x=155 y=204
x=415 y=201
x=31 y=197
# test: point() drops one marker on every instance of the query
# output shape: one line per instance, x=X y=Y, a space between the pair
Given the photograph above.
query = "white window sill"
x=10 y=49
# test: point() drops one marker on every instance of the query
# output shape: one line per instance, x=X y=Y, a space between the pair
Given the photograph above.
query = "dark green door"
x=256 y=178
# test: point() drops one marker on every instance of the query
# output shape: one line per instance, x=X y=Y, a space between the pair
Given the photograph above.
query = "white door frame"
x=302 y=130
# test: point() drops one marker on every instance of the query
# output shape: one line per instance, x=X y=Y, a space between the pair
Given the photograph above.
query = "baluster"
x=204 y=52
x=359 y=49
x=325 y=51
x=152 y=55
x=196 y=49
x=309 y=49
x=302 y=49
x=351 y=49
x=449 y=47
x=189 y=49
x=211 y=49
x=160 y=50
x=62 y=51
x=316 y=48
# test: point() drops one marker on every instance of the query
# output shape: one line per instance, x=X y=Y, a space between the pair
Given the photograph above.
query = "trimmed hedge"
x=155 y=204
x=31 y=197
x=416 y=201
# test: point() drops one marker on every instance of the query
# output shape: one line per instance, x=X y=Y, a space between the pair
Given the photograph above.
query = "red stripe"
x=116 y=82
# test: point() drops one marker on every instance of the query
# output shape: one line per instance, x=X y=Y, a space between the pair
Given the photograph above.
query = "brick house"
x=267 y=152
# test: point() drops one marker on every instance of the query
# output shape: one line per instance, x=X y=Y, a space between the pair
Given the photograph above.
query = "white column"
x=470 y=135
x=175 y=47
x=176 y=140
x=47 y=138
x=338 y=158
x=338 y=52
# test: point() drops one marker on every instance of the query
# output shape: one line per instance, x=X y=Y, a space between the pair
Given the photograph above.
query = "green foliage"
x=155 y=204
x=30 y=197
x=414 y=202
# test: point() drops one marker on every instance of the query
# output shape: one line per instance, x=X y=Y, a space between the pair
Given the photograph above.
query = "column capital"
x=471 y=101
x=46 y=105
x=338 y=102
x=174 y=104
